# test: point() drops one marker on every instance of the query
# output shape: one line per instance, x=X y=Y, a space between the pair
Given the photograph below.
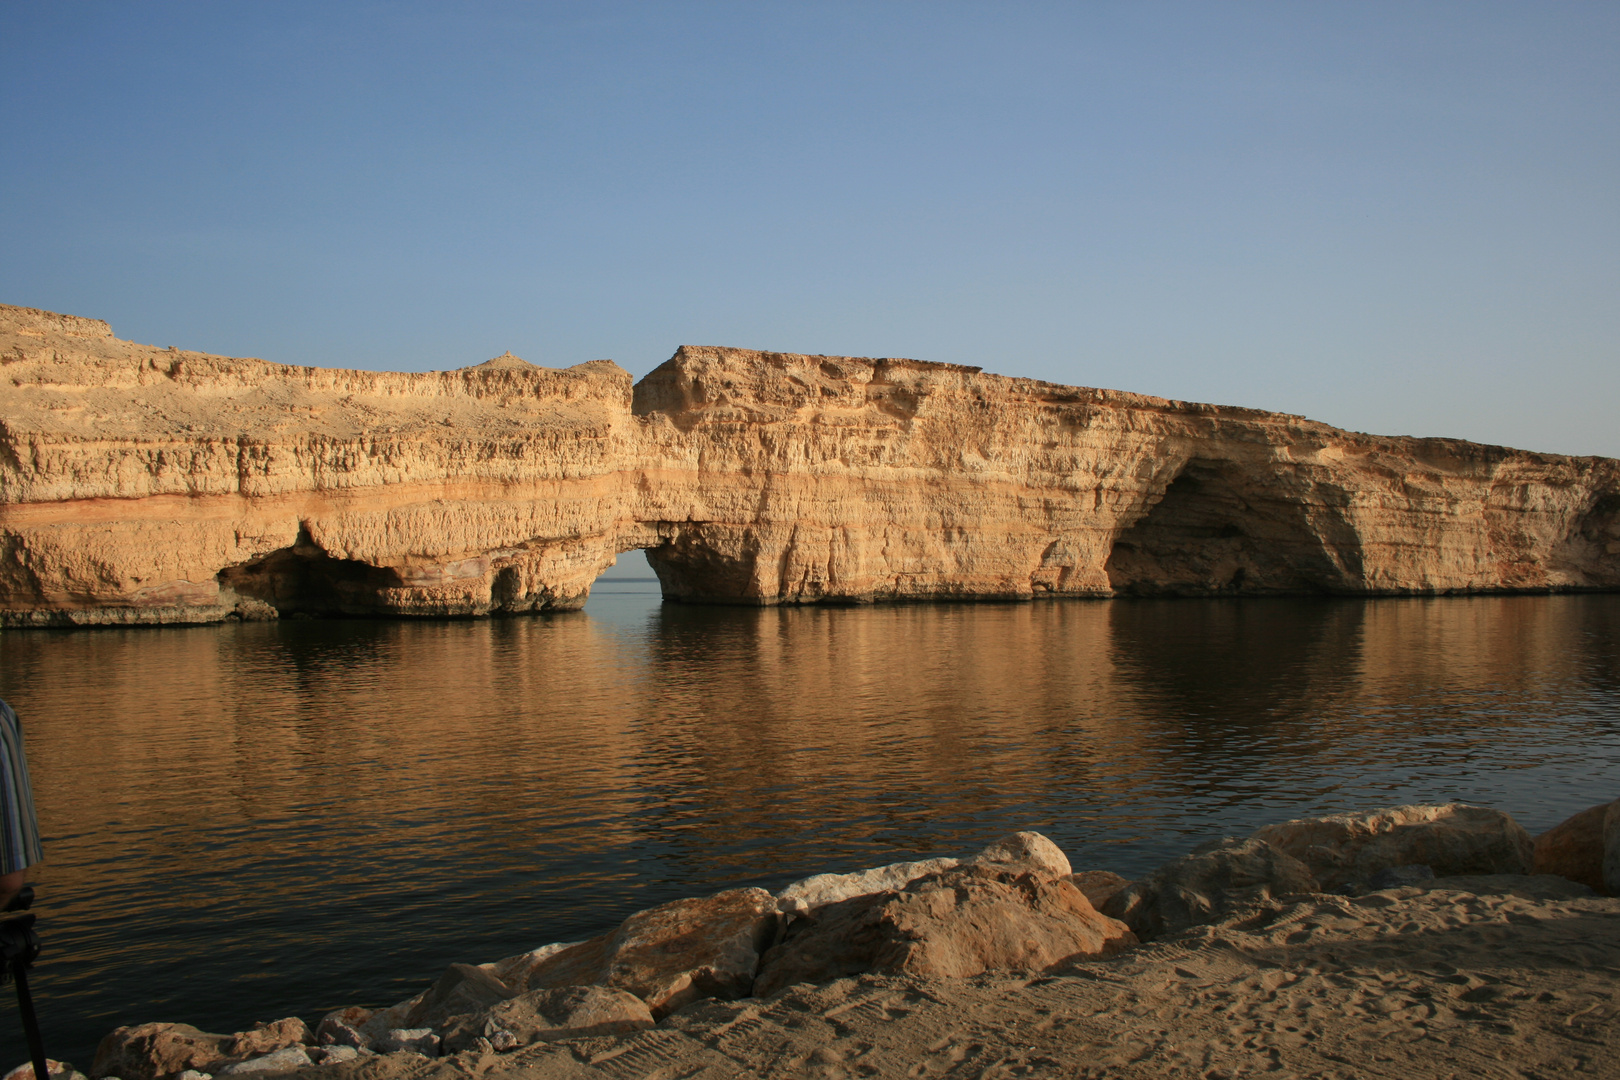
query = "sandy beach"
x=1499 y=976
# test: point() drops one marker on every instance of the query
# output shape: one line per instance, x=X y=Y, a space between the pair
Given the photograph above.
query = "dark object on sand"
x=19 y=946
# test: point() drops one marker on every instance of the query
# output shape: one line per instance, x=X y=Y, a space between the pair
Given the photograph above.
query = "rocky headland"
x=1416 y=941
x=149 y=485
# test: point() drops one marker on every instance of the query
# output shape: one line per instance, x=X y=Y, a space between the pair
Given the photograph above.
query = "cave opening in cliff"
x=628 y=590
x=1222 y=529
x=305 y=580
x=700 y=564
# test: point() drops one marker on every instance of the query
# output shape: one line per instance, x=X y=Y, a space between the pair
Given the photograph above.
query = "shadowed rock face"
x=144 y=485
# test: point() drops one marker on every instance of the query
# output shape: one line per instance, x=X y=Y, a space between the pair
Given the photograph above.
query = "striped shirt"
x=19 y=828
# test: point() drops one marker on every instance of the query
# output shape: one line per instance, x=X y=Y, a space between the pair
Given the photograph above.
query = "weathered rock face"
x=265 y=1038
x=793 y=478
x=140 y=485
x=822 y=889
x=958 y=923
x=143 y=485
x=1573 y=848
x=150 y=1051
x=674 y=953
x=463 y=988
x=1207 y=884
x=1098 y=885
x=1452 y=839
x=286 y=1059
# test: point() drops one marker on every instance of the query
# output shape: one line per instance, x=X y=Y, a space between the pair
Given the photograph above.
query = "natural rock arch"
x=1221 y=529
x=144 y=485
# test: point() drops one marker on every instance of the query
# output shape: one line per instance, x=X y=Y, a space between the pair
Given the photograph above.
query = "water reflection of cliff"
x=224 y=803
x=706 y=726
x=1103 y=721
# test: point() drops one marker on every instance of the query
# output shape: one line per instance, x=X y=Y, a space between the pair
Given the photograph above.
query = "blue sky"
x=1394 y=217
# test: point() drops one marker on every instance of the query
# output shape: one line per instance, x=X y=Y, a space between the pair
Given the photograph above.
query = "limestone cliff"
x=142 y=485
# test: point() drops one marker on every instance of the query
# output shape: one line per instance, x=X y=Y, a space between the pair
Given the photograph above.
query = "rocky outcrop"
x=1210 y=882
x=146 y=485
x=1018 y=851
x=961 y=922
x=1573 y=848
x=150 y=1051
x=674 y=953
x=1348 y=849
x=1012 y=907
x=1017 y=906
x=267 y=1038
x=1098 y=885
x=802 y=897
x=287 y=1059
x=462 y=988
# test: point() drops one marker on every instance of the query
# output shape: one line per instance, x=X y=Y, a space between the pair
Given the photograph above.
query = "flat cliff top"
x=959 y=405
x=701 y=377
x=68 y=377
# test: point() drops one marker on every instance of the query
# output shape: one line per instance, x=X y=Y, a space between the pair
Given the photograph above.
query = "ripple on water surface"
x=250 y=821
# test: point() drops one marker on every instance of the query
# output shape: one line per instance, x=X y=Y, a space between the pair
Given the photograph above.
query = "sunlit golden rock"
x=148 y=485
x=957 y=923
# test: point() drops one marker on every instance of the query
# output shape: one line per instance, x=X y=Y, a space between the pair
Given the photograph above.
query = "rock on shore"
x=1454 y=839
x=1016 y=911
x=956 y=923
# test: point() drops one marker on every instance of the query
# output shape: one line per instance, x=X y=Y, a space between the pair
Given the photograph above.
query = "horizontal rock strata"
x=147 y=485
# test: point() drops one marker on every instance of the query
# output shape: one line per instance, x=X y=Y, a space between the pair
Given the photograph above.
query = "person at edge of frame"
x=19 y=827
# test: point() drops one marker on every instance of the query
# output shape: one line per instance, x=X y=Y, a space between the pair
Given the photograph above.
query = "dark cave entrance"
x=305 y=580
x=1221 y=530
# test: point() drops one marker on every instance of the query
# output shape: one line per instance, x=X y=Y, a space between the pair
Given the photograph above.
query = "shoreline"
x=1483 y=985
x=1030 y=967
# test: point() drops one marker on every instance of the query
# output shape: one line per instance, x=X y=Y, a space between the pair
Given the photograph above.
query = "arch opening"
x=305 y=580
x=1221 y=530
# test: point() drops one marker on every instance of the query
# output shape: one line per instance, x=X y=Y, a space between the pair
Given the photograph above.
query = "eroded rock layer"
x=147 y=485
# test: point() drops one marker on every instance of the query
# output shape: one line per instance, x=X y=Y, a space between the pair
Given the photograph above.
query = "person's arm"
x=11 y=885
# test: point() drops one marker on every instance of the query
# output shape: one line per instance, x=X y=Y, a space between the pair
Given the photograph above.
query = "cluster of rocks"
x=1016 y=906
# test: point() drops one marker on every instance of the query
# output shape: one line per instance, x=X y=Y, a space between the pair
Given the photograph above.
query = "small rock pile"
x=1016 y=906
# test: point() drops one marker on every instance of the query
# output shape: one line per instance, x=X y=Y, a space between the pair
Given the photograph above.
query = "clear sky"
x=1395 y=217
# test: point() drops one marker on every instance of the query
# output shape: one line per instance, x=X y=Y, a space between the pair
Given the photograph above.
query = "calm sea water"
x=253 y=821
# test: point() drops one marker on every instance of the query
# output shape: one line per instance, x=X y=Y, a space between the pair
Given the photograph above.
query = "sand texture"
x=1495 y=977
x=999 y=966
